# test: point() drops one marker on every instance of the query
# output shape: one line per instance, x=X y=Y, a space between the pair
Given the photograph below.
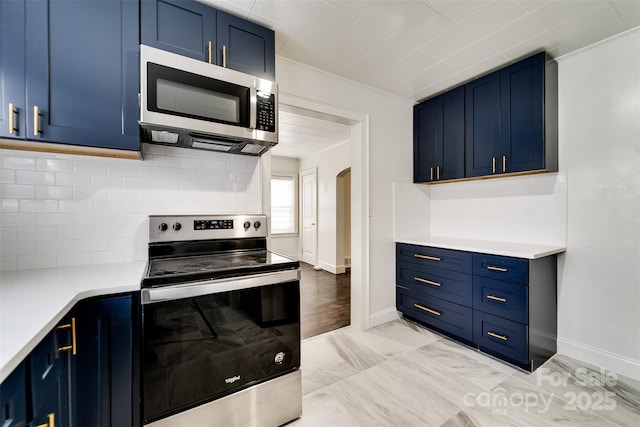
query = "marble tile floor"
x=400 y=374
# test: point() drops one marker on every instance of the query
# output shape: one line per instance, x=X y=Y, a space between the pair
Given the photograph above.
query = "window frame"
x=293 y=176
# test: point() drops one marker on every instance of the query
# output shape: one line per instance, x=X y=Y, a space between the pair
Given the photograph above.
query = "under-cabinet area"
x=504 y=306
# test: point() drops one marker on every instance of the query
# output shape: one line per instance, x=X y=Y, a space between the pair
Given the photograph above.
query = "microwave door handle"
x=253 y=108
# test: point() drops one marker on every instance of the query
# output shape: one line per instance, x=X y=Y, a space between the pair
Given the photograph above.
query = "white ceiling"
x=417 y=48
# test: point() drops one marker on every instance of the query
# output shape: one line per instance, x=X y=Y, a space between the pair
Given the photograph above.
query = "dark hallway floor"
x=325 y=301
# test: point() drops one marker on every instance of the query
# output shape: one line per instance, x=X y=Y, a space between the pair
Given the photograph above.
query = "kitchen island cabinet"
x=68 y=77
x=502 y=305
x=192 y=29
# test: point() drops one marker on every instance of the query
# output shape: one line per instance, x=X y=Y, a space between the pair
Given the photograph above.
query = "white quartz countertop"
x=32 y=302
x=517 y=250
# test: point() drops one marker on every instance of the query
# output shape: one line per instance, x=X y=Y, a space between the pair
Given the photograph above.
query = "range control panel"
x=205 y=227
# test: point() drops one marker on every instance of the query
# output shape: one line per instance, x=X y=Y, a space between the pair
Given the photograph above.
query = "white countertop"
x=517 y=250
x=32 y=302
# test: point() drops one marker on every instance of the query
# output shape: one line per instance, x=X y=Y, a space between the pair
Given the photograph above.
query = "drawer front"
x=434 y=257
x=444 y=284
x=508 y=269
x=447 y=316
x=501 y=299
x=501 y=336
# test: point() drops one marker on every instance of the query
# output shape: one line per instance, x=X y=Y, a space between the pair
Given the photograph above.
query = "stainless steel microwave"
x=189 y=103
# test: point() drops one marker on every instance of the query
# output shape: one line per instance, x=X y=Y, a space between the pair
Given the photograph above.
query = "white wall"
x=599 y=294
x=63 y=210
x=329 y=163
x=390 y=157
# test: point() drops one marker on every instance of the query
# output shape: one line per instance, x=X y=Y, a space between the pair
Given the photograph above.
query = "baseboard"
x=383 y=316
x=597 y=357
x=335 y=269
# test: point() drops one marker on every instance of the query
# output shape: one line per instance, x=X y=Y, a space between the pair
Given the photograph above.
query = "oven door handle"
x=195 y=289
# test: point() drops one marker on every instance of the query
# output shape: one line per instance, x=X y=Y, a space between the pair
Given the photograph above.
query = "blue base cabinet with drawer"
x=503 y=306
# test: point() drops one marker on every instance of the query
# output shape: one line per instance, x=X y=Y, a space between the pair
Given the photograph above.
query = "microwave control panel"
x=266 y=107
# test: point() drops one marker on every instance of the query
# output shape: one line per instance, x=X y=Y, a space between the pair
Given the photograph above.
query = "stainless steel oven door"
x=206 y=340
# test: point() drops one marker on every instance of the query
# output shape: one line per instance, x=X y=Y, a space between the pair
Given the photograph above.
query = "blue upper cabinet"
x=71 y=78
x=482 y=125
x=185 y=27
x=193 y=29
x=511 y=119
x=438 y=138
x=12 y=51
x=246 y=47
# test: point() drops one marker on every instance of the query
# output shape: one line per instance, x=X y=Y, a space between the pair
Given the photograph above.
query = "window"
x=283 y=204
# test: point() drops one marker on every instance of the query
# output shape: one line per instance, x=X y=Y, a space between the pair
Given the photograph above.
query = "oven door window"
x=191 y=95
x=199 y=349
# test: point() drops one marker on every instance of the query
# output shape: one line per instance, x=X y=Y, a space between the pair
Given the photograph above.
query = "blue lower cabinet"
x=444 y=316
x=13 y=399
x=444 y=284
x=502 y=337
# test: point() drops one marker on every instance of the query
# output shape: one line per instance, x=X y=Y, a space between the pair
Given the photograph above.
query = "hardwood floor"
x=325 y=301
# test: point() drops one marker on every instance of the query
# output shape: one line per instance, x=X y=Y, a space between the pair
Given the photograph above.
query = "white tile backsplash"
x=65 y=210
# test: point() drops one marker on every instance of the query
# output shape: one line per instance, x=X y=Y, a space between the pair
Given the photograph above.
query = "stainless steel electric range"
x=220 y=325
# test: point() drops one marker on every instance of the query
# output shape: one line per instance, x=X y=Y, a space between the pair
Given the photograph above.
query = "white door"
x=309 y=216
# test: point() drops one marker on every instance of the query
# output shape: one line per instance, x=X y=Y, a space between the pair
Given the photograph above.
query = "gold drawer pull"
x=495 y=298
x=209 y=48
x=421 y=307
x=51 y=421
x=501 y=337
x=12 y=113
x=429 y=282
x=490 y=267
x=432 y=258
x=71 y=326
x=36 y=120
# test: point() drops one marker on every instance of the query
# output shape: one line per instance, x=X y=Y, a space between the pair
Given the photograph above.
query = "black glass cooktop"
x=166 y=271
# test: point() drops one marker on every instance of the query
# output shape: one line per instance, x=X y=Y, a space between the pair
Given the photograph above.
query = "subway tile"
x=8 y=263
x=55 y=165
x=89 y=193
x=91 y=245
x=122 y=169
x=103 y=182
x=74 y=259
x=35 y=177
x=55 y=246
x=75 y=180
x=76 y=206
x=18 y=191
x=30 y=262
x=89 y=219
x=10 y=205
x=152 y=171
x=90 y=167
x=236 y=167
x=13 y=219
x=18 y=163
x=19 y=248
x=191 y=164
x=164 y=161
x=136 y=182
x=8 y=234
x=54 y=192
x=7 y=176
x=53 y=219
x=35 y=205
x=73 y=233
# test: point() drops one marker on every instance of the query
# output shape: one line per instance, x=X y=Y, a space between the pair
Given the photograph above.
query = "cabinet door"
x=522 y=115
x=185 y=27
x=102 y=369
x=249 y=47
x=450 y=147
x=482 y=120
x=425 y=138
x=82 y=72
x=49 y=381
x=13 y=398
x=12 y=48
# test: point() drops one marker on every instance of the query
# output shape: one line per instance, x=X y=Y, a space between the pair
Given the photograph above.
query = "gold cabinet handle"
x=504 y=163
x=12 y=112
x=224 y=56
x=210 y=49
x=432 y=258
x=430 y=174
x=429 y=282
x=495 y=298
x=71 y=347
x=421 y=307
x=493 y=165
x=51 y=421
x=491 y=267
x=438 y=173
x=500 y=337
x=36 y=120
